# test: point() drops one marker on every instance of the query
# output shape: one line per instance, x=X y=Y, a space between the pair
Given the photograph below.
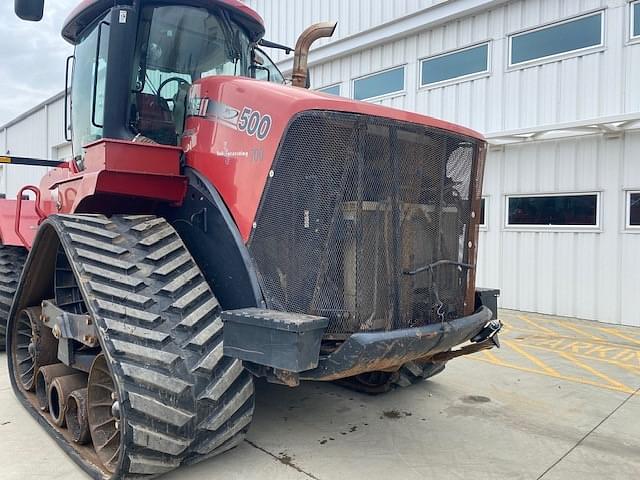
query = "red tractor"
x=332 y=239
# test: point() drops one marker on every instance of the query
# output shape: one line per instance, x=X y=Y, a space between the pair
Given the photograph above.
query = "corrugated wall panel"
x=55 y=123
x=286 y=19
x=593 y=275
x=570 y=89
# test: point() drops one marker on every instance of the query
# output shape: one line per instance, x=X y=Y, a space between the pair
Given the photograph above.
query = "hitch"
x=485 y=340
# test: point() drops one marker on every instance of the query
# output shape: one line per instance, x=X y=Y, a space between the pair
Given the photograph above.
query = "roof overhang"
x=612 y=126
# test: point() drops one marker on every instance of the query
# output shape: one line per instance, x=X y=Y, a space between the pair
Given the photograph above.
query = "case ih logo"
x=250 y=121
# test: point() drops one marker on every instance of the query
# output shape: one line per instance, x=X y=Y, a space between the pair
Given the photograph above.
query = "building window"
x=331 y=90
x=379 y=84
x=635 y=19
x=564 y=37
x=633 y=209
x=563 y=210
x=455 y=65
x=483 y=212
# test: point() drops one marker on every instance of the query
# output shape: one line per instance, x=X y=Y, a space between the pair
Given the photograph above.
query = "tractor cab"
x=133 y=64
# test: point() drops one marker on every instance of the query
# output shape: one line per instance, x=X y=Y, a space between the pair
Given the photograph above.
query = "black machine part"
x=279 y=341
x=282 y=340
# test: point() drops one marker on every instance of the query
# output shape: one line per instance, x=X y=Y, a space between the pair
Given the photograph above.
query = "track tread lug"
x=228 y=408
x=158 y=410
x=97 y=244
x=210 y=360
x=206 y=334
x=222 y=384
x=141 y=334
x=114 y=292
x=199 y=314
x=146 y=354
x=105 y=260
x=181 y=280
x=147 y=438
x=157 y=237
x=93 y=230
x=126 y=311
x=164 y=251
x=173 y=265
x=142 y=465
x=112 y=276
x=154 y=379
x=191 y=296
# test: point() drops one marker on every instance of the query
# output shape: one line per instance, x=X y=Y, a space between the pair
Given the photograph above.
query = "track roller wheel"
x=11 y=262
x=103 y=412
x=33 y=347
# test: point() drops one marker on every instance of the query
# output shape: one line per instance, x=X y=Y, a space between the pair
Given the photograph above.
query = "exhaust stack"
x=305 y=40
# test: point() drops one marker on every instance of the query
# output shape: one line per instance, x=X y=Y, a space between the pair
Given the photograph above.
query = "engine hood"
x=293 y=100
x=235 y=127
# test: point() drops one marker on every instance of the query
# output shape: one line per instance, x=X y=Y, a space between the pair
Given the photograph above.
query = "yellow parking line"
x=618 y=334
x=539 y=327
x=490 y=356
x=560 y=377
x=594 y=371
x=580 y=331
x=632 y=368
x=590 y=324
x=532 y=358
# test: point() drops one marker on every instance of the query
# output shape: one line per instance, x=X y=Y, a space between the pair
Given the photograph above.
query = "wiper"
x=439 y=263
x=227 y=30
x=269 y=44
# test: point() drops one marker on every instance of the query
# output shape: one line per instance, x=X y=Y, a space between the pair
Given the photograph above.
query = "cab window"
x=178 y=45
x=88 y=83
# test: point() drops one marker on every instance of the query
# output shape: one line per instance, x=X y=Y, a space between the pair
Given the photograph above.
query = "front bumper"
x=367 y=352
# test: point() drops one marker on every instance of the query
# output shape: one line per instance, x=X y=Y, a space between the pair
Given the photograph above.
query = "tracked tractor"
x=218 y=223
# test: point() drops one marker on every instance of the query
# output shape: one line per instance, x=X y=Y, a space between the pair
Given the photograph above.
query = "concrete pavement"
x=556 y=401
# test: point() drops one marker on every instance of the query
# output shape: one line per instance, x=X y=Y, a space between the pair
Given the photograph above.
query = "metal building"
x=553 y=84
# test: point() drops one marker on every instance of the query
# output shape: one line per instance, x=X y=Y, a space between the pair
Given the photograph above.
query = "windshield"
x=178 y=45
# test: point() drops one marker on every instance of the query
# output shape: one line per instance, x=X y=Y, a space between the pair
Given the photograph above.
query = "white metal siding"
x=574 y=88
x=286 y=19
x=36 y=136
x=592 y=275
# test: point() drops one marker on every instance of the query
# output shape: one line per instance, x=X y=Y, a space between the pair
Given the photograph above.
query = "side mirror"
x=30 y=10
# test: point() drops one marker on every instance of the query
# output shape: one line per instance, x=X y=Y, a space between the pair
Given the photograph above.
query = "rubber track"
x=160 y=326
x=12 y=261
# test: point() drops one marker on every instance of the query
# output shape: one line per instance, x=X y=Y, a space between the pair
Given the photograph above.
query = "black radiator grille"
x=355 y=203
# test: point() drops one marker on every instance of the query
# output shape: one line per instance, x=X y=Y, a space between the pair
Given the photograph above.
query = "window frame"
x=627 y=210
x=454 y=80
x=597 y=228
x=339 y=85
x=562 y=55
x=633 y=38
x=395 y=93
x=484 y=226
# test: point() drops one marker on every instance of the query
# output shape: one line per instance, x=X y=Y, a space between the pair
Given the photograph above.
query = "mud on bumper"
x=286 y=347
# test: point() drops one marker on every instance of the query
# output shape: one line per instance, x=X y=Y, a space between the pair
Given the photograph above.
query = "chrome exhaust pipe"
x=305 y=40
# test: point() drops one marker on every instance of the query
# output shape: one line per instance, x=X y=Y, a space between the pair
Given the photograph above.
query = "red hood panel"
x=235 y=127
